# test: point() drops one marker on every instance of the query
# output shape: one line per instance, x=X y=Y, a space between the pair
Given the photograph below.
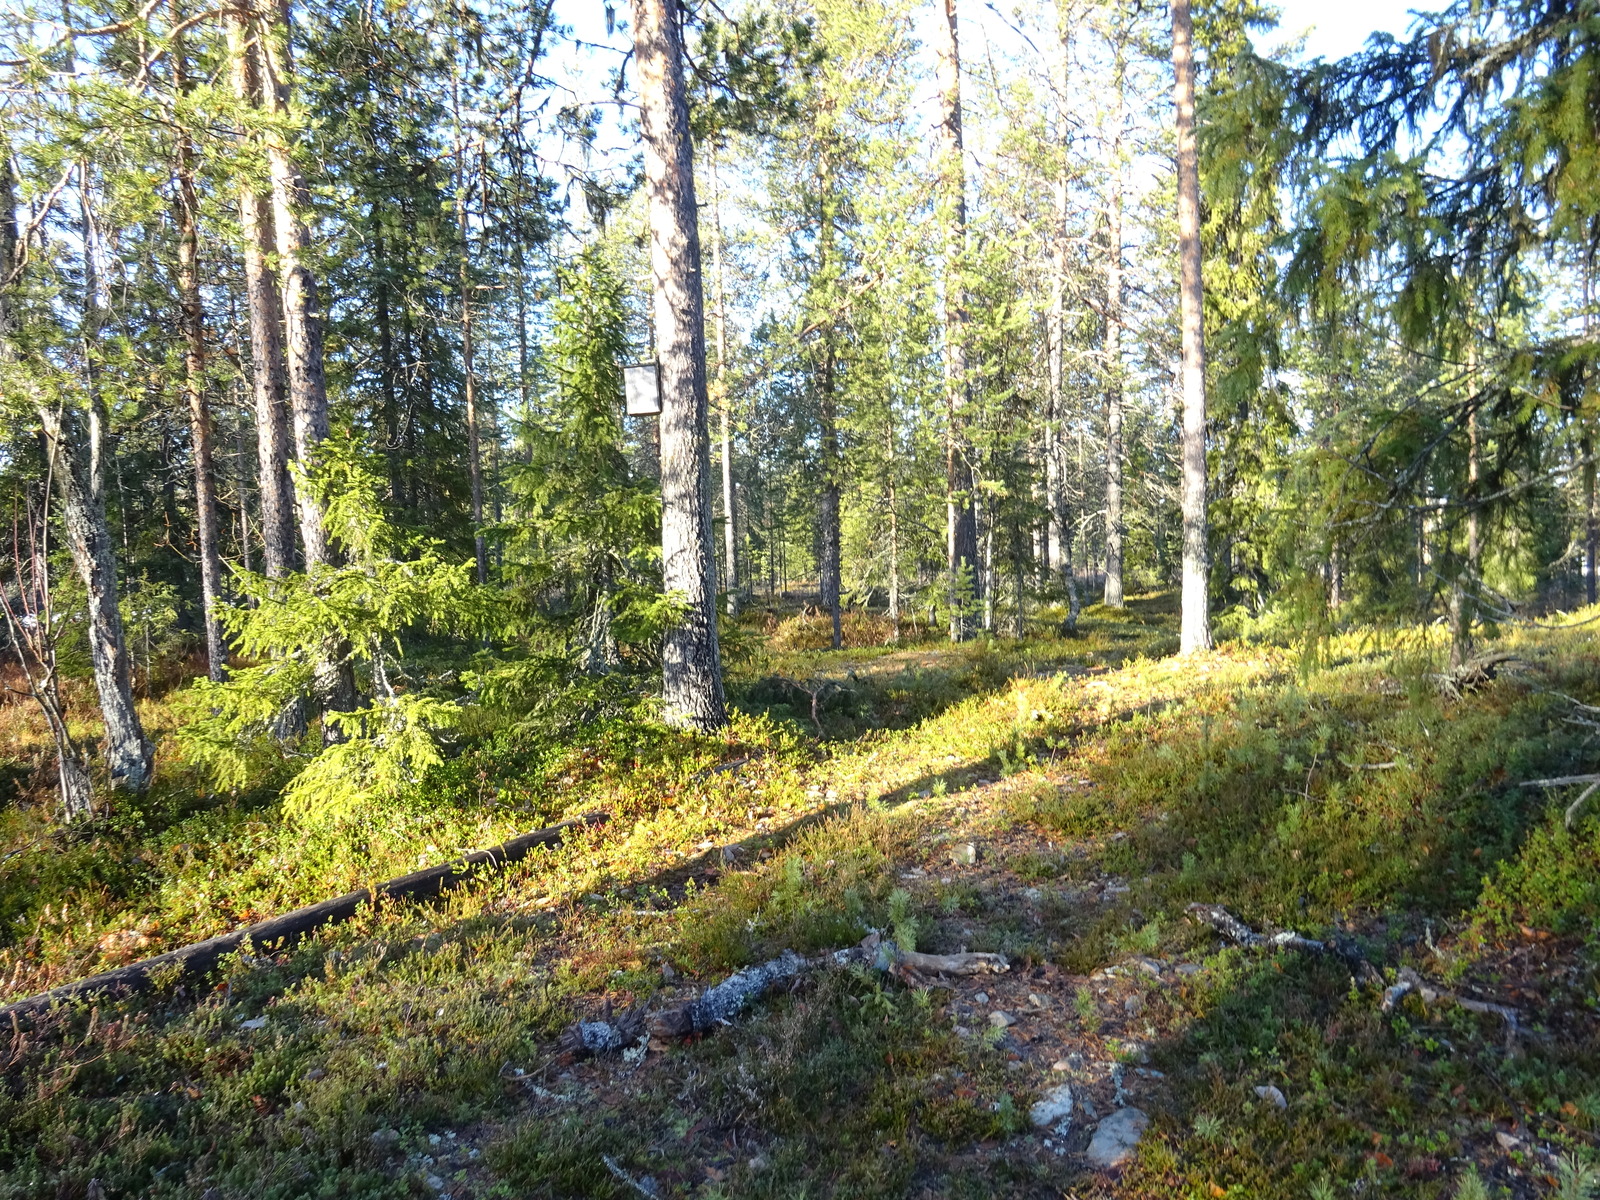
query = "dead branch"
x=291 y=927
x=718 y=1005
x=1592 y=783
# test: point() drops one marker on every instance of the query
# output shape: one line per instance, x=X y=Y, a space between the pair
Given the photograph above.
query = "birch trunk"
x=1195 y=631
x=890 y=495
x=691 y=662
x=1591 y=522
x=268 y=372
x=192 y=320
x=961 y=528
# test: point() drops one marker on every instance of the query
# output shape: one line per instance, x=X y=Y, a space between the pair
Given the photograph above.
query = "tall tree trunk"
x=1113 y=344
x=829 y=569
x=1195 y=631
x=691 y=661
x=724 y=399
x=303 y=329
x=36 y=640
x=961 y=526
x=1591 y=522
x=268 y=371
x=192 y=319
x=892 y=503
x=480 y=544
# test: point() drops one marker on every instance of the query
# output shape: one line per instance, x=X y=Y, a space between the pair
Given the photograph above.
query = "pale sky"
x=1341 y=27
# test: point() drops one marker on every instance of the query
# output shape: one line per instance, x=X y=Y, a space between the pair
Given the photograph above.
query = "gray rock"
x=1188 y=970
x=1055 y=1105
x=1001 y=1020
x=964 y=854
x=384 y=1140
x=1116 y=1138
x=1273 y=1095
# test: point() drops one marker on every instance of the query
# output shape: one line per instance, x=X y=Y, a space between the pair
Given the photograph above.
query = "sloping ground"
x=1065 y=817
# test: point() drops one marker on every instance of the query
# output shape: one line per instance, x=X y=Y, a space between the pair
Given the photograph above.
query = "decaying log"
x=719 y=1004
x=291 y=927
x=1475 y=672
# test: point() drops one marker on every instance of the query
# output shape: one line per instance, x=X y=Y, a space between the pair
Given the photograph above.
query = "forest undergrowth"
x=1059 y=801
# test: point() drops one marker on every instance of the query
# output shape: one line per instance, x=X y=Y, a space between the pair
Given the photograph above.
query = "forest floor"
x=1058 y=801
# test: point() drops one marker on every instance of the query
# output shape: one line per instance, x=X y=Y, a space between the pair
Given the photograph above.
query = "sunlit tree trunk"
x=691 y=661
x=961 y=527
x=1113 y=344
x=268 y=371
x=303 y=340
x=724 y=398
x=192 y=320
x=1195 y=627
x=468 y=361
x=1591 y=522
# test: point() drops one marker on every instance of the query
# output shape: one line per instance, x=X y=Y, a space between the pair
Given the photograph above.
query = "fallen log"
x=719 y=1004
x=289 y=928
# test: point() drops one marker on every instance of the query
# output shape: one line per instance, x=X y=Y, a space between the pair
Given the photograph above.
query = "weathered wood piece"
x=292 y=926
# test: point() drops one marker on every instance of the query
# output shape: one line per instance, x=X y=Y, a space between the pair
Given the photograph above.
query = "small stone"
x=1507 y=1142
x=254 y=1023
x=1149 y=966
x=1001 y=1019
x=1133 y=1006
x=964 y=854
x=384 y=1140
x=315 y=1074
x=1271 y=1094
x=1032 y=895
x=434 y=1139
x=1116 y=1138
x=1188 y=970
x=1055 y=1105
x=981 y=997
x=758 y=1163
x=1036 y=1000
x=1061 y=1064
x=434 y=1183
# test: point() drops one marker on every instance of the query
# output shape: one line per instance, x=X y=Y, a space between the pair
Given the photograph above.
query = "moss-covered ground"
x=1060 y=801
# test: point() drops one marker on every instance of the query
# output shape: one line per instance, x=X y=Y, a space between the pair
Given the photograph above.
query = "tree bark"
x=691 y=661
x=468 y=365
x=892 y=502
x=730 y=541
x=961 y=526
x=1591 y=522
x=1113 y=348
x=829 y=581
x=36 y=640
x=303 y=343
x=192 y=319
x=1195 y=631
x=268 y=371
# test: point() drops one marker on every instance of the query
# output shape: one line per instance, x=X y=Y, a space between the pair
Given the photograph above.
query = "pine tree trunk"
x=891 y=499
x=303 y=345
x=72 y=773
x=192 y=320
x=468 y=364
x=268 y=371
x=724 y=399
x=961 y=527
x=1195 y=631
x=691 y=661
x=1113 y=352
x=830 y=567
x=1591 y=522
